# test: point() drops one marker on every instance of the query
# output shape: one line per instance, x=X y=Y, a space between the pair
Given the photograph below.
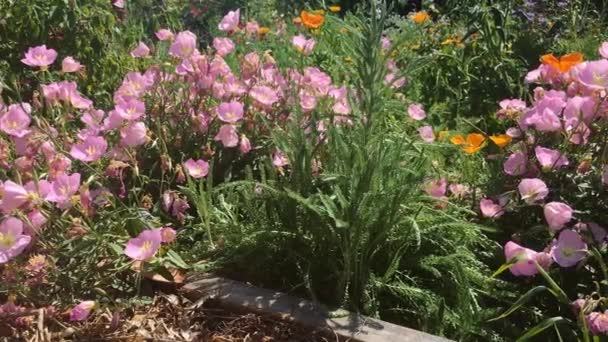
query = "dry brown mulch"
x=171 y=318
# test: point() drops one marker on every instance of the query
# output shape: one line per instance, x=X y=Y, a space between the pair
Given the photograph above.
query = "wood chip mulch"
x=169 y=318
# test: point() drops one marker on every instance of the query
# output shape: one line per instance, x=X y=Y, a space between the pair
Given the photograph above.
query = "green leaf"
x=502 y=268
x=542 y=326
x=521 y=301
x=177 y=260
x=116 y=248
x=559 y=293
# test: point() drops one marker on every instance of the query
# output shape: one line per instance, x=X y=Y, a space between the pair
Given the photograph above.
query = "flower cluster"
x=558 y=143
x=67 y=158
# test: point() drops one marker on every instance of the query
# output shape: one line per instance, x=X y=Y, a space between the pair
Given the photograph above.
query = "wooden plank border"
x=353 y=327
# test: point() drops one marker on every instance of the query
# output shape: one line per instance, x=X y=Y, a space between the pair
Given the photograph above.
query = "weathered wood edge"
x=353 y=327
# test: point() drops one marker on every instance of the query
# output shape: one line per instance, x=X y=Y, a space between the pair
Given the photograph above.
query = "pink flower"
x=197 y=168
x=234 y=86
x=533 y=76
x=490 y=209
x=65 y=91
x=142 y=50
x=252 y=27
x=427 y=134
x=63 y=188
x=89 y=150
x=597 y=322
x=514 y=132
x=131 y=109
x=394 y=82
x=167 y=234
x=316 y=79
x=436 y=188
x=230 y=112
x=134 y=85
x=579 y=109
x=307 y=101
x=112 y=121
x=179 y=209
x=557 y=214
x=341 y=106
x=516 y=164
x=550 y=159
x=230 y=21
x=39 y=56
x=577 y=305
x=579 y=132
x=569 y=248
x=532 y=190
x=224 y=46
x=279 y=159
x=510 y=108
x=37 y=190
x=385 y=42
x=544 y=115
x=164 y=34
x=603 y=50
x=522 y=258
x=264 y=95
x=303 y=45
x=228 y=136
x=244 y=145
x=547 y=121
x=184 y=45
x=145 y=245
x=133 y=135
x=12 y=239
x=69 y=64
x=416 y=112
x=14 y=196
x=119 y=3
x=82 y=311
x=36 y=221
x=16 y=120
x=460 y=190
x=593 y=74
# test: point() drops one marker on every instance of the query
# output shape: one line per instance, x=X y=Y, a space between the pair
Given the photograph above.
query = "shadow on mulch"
x=172 y=318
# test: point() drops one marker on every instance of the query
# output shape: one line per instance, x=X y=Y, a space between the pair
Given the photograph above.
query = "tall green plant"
x=346 y=219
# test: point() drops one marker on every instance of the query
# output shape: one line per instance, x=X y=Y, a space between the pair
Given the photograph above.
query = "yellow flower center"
x=146 y=246
x=599 y=80
x=6 y=240
x=91 y=150
x=64 y=190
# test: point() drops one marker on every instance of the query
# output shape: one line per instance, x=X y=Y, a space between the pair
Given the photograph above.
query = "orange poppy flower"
x=501 y=140
x=334 y=9
x=564 y=63
x=263 y=30
x=474 y=143
x=457 y=140
x=312 y=20
x=420 y=17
